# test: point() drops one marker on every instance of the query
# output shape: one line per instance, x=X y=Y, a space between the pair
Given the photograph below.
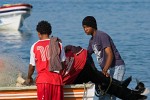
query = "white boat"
x=13 y=15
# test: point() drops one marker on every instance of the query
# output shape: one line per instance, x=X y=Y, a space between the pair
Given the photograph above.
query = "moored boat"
x=13 y=15
x=71 y=92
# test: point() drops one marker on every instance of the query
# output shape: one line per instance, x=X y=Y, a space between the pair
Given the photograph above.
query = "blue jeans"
x=117 y=73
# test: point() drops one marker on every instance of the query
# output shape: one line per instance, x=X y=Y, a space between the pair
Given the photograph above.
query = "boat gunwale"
x=15 y=5
x=34 y=87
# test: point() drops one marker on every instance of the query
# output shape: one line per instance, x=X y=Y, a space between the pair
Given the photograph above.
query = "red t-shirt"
x=74 y=65
x=39 y=57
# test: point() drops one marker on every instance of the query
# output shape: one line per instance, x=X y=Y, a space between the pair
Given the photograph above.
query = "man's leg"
x=47 y=91
x=117 y=73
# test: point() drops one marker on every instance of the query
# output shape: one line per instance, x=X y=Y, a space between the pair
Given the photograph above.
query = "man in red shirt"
x=49 y=83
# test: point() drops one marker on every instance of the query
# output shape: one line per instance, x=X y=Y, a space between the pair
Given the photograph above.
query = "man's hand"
x=29 y=81
x=105 y=73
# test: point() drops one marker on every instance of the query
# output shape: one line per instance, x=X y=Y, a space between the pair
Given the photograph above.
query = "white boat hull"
x=11 y=18
x=8 y=24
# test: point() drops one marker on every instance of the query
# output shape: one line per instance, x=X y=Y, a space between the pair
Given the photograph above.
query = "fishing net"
x=10 y=67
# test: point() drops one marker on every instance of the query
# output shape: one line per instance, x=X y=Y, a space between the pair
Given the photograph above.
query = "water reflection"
x=10 y=36
x=16 y=42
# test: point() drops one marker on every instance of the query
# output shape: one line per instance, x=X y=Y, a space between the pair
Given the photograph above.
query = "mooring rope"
x=85 y=92
x=26 y=25
x=104 y=92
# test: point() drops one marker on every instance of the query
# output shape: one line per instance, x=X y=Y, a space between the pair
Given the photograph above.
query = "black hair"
x=90 y=21
x=44 y=27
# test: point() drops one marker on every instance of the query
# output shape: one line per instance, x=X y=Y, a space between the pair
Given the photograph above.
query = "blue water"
x=126 y=21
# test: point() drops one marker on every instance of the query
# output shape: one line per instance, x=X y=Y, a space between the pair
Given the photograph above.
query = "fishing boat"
x=13 y=15
x=71 y=92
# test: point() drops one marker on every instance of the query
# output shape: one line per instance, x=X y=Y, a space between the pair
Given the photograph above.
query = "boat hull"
x=12 y=16
x=71 y=92
x=6 y=22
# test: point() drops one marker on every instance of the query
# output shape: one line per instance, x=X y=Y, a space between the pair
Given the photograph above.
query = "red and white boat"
x=13 y=15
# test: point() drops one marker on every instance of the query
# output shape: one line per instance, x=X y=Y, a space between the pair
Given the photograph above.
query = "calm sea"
x=126 y=21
